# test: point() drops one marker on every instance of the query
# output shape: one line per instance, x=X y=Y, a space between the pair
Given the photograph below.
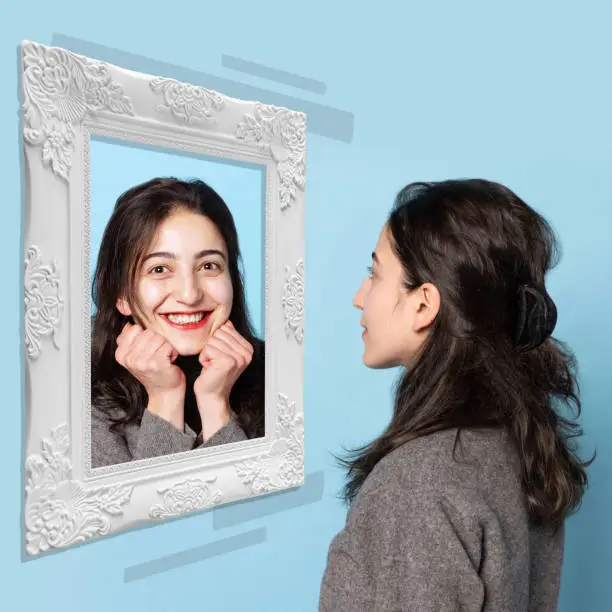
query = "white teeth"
x=182 y=319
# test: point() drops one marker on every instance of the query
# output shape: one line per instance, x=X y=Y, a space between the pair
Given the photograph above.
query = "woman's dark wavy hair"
x=128 y=234
x=489 y=360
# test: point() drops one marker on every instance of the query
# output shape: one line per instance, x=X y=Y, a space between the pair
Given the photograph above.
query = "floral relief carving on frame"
x=187 y=496
x=282 y=466
x=187 y=102
x=43 y=302
x=59 y=511
x=60 y=90
x=293 y=302
x=270 y=125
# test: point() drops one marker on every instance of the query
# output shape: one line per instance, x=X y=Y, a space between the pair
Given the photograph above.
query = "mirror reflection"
x=177 y=264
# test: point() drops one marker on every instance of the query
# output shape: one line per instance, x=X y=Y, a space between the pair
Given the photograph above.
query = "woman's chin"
x=376 y=362
x=189 y=352
x=368 y=361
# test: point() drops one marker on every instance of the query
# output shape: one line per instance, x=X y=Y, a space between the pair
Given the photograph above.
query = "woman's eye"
x=370 y=271
x=159 y=269
x=210 y=265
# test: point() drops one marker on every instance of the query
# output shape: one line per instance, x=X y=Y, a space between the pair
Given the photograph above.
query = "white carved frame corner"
x=66 y=99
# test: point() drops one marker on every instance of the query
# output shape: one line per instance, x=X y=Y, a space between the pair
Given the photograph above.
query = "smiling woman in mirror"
x=176 y=364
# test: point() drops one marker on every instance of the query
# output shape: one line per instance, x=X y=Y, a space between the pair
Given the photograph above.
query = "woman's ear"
x=427 y=306
x=123 y=307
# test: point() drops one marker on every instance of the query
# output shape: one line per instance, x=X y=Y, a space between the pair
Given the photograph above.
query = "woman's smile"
x=187 y=320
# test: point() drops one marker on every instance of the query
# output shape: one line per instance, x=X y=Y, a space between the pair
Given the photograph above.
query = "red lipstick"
x=186 y=326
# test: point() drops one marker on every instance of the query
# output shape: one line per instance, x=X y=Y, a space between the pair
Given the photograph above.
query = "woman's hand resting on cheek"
x=224 y=358
x=149 y=357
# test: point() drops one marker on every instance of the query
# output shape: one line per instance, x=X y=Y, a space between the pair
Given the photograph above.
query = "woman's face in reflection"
x=183 y=286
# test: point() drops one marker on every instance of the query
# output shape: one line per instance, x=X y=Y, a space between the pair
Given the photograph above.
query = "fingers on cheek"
x=242 y=345
x=241 y=354
x=244 y=357
x=130 y=340
x=134 y=332
x=144 y=338
x=212 y=343
x=159 y=343
x=149 y=343
x=214 y=347
x=227 y=345
x=222 y=347
x=242 y=340
x=239 y=358
x=222 y=334
x=236 y=355
x=235 y=342
x=234 y=336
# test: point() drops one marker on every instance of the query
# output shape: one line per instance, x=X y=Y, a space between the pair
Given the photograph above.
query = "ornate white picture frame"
x=68 y=98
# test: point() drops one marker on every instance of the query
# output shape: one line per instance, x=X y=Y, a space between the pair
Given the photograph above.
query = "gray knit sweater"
x=153 y=437
x=428 y=534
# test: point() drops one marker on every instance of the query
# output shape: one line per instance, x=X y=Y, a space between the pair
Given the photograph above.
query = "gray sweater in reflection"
x=153 y=437
x=429 y=534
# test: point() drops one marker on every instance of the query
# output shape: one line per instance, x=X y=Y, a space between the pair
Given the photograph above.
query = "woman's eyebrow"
x=375 y=258
x=207 y=252
x=169 y=255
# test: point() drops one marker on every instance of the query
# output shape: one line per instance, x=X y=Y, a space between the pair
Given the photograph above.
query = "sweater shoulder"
x=447 y=460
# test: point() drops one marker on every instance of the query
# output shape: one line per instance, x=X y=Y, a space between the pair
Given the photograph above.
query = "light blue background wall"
x=116 y=168
x=519 y=92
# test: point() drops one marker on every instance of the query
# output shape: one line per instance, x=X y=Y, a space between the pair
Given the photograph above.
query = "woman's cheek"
x=221 y=291
x=151 y=295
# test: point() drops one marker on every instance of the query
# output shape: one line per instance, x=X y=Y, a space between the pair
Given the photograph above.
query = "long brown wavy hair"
x=489 y=360
x=129 y=232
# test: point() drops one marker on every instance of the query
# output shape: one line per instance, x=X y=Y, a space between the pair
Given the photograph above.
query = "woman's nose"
x=358 y=299
x=188 y=289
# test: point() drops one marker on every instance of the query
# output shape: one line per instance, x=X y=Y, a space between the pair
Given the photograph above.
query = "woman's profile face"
x=391 y=317
x=183 y=285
